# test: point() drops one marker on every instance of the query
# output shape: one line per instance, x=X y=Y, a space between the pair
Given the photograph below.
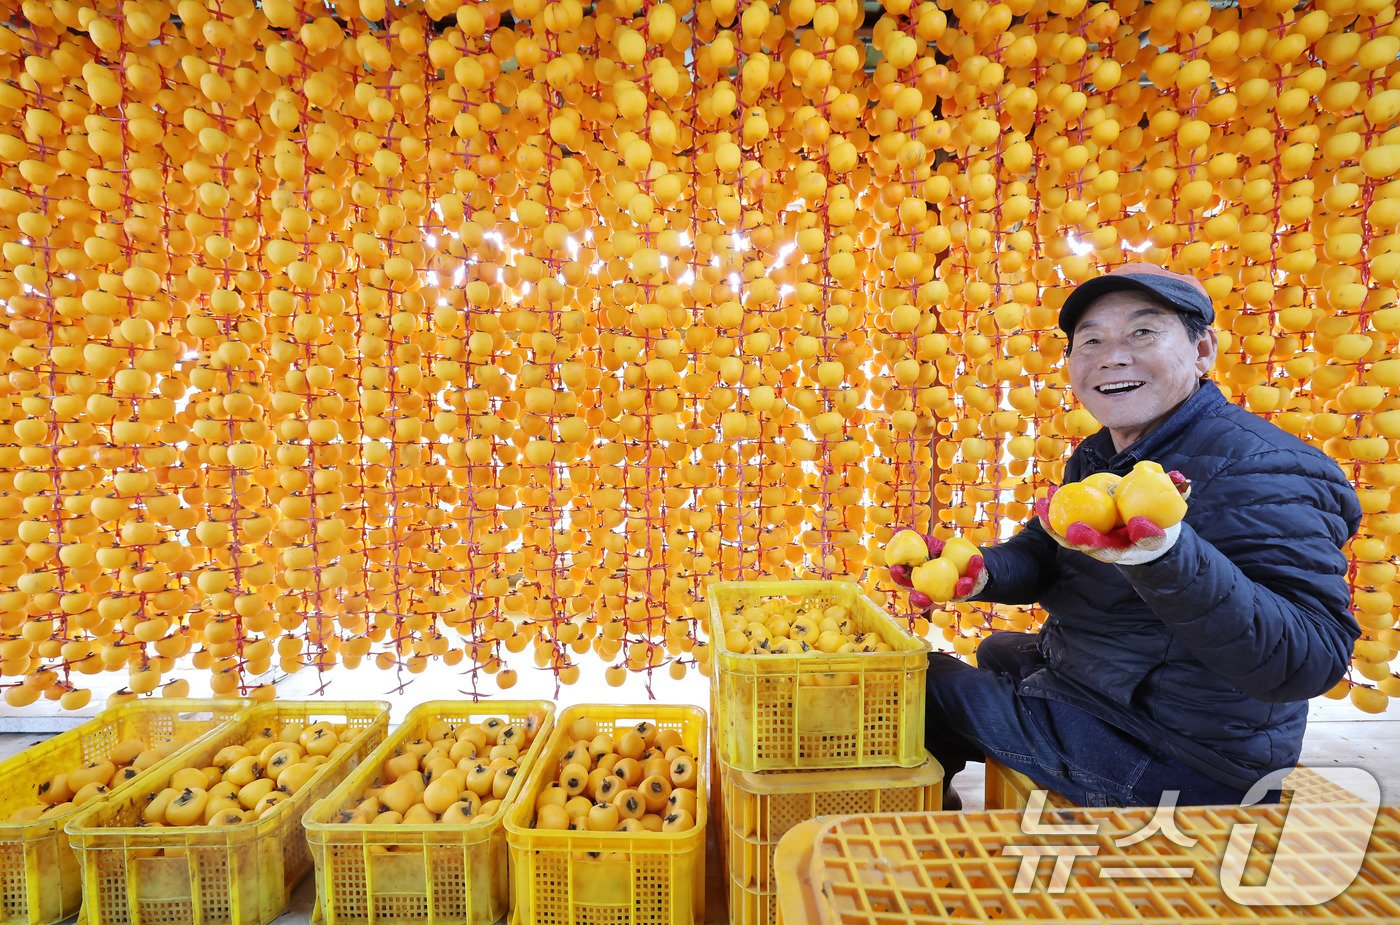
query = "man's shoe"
x=951 y=801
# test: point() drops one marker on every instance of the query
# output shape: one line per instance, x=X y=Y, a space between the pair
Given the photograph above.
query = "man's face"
x=1132 y=363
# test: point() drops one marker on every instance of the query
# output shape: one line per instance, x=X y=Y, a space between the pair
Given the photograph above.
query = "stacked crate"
x=805 y=735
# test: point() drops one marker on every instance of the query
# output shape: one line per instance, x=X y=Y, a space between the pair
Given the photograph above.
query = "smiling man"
x=1141 y=344
x=1183 y=662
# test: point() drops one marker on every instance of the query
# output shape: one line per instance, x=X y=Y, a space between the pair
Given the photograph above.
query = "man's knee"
x=1009 y=653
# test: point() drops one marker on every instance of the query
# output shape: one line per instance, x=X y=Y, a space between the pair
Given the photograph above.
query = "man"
x=1185 y=662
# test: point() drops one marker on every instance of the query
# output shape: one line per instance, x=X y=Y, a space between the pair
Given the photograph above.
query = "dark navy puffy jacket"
x=1211 y=652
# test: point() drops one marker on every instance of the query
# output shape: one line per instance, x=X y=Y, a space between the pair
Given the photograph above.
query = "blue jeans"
x=977 y=712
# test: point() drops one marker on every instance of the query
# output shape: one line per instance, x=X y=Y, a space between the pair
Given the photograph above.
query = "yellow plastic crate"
x=39 y=878
x=238 y=875
x=926 y=867
x=1008 y=789
x=459 y=874
x=780 y=713
x=760 y=808
x=652 y=878
x=748 y=906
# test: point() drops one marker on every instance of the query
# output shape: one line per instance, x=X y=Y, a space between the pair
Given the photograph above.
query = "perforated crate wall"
x=760 y=808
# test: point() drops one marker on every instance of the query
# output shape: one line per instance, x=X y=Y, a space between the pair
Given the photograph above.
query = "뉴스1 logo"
x=1319 y=850
x=1296 y=878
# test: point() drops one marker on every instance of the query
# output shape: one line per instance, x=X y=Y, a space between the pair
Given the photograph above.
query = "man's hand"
x=1135 y=543
x=934 y=571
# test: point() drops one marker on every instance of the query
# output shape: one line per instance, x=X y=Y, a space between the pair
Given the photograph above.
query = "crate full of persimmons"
x=611 y=821
x=417 y=832
x=812 y=675
x=48 y=784
x=215 y=837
